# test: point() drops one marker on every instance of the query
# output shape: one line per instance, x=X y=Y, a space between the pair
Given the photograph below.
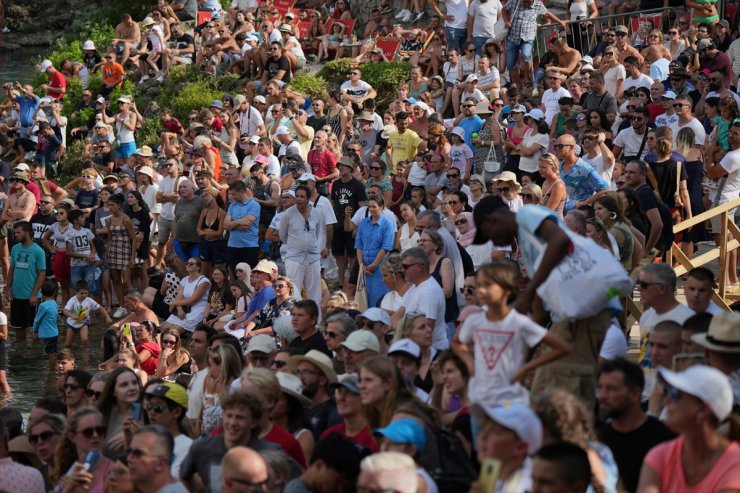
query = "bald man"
x=582 y=182
x=243 y=469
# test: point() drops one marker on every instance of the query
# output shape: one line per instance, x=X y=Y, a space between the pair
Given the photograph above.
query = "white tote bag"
x=491 y=165
x=584 y=282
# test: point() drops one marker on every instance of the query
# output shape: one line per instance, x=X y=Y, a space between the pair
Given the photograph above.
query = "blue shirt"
x=244 y=238
x=373 y=237
x=581 y=182
x=26 y=262
x=471 y=125
x=45 y=322
x=27 y=108
x=261 y=298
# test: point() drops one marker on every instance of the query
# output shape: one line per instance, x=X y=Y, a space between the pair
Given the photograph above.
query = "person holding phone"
x=120 y=405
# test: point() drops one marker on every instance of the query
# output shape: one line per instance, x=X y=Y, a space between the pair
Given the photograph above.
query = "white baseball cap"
x=45 y=66
x=517 y=417
x=536 y=114
x=281 y=130
x=376 y=315
x=406 y=347
x=307 y=177
x=262 y=343
x=707 y=384
x=362 y=340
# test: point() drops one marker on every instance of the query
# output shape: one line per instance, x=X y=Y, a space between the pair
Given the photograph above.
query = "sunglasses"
x=470 y=51
x=503 y=189
x=42 y=437
x=72 y=386
x=560 y=146
x=43 y=202
x=92 y=431
x=156 y=409
x=192 y=263
x=93 y=394
x=168 y=342
x=621 y=35
x=279 y=364
x=581 y=119
x=460 y=222
x=467 y=290
x=678 y=105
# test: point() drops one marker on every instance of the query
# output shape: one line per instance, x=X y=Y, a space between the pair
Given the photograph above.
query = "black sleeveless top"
x=451 y=308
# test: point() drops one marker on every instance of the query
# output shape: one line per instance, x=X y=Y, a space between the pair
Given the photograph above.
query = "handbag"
x=361 y=292
x=491 y=165
x=499 y=30
x=677 y=202
x=584 y=282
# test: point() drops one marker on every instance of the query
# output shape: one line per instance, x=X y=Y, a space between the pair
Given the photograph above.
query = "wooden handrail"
x=683 y=225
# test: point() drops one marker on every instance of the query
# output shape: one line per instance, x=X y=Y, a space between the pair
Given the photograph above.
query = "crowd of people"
x=311 y=295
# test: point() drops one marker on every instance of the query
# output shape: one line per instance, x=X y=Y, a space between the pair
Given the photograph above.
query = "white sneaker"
x=119 y=312
x=419 y=16
x=401 y=14
x=407 y=16
x=144 y=79
x=160 y=79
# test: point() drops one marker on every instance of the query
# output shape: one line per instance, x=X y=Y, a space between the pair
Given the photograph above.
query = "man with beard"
x=628 y=431
x=714 y=60
x=316 y=372
x=347 y=195
x=716 y=88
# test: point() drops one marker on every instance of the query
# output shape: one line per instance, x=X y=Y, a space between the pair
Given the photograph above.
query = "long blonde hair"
x=66 y=452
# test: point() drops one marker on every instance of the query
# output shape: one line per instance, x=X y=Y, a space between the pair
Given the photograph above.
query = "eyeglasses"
x=376 y=168
x=589 y=137
x=581 y=119
x=155 y=408
x=168 y=342
x=673 y=33
x=467 y=290
x=560 y=146
x=637 y=118
x=408 y=266
x=621 y=35
x=460 y=222
x=72 y=386
x=330 y=335
x=92 y=431
x=306 y=371
x=645 y=284
x=42 y=437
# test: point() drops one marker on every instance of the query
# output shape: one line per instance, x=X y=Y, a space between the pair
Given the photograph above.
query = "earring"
x=613 y=216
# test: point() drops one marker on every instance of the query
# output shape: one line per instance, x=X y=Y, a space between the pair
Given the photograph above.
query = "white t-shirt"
x=730 y=184
x=3 y=319
x=458 y=9
x=665 y=120
x=501 y=349
x=195 y=394
x=530 y=164
x=82 y=309
x=150 y=198
x=699 y=133
x=630 y=142
x=168 y=185
x=357 y=91
x=80 y=240
x=429 y=299
x=579 y=9
x=612 y=76
x=615 y=344
x=550 y=100
x=484 y=17
x=417 y=175
x=598 y=164
x=182 y=447
x=642 y=81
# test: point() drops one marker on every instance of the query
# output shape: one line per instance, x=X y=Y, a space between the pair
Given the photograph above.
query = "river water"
x=28 y=371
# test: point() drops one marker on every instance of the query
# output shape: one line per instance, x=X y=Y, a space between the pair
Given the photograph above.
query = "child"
x=77 y=311
x=501 y=338
x=81 y=251
x=45 y=322
x=460 y=154
x=65 y=362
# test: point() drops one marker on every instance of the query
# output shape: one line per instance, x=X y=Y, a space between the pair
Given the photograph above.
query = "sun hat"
x=265 y=266
x=172 y=392
x=361 y=340
x=292 y=385
x=507 y=176
x=144 y=151
x=148 y=21
x=110 y=177
x=404 y=431
x=146 y=170
x=19 y=175
x=262 y=343
x=317 y=358
x=88 y=45
x=22 y=167
x=459 y=131
x=517 y=417
x=349 y=382
x=519 y=108
x=483 y=108
x=286 y=28
x=707 y=384
x=723 y=335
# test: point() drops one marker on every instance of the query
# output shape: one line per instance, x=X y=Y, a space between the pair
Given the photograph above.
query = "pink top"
x=665 y=459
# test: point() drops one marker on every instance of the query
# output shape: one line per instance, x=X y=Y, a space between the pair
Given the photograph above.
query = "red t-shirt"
x=363 y=438
x=655 y=110
x=322 y=163
x=290 y=444
x=217 y=124
x=150 y=365
x=57 y=80
x=173 y=125
x=36 y=191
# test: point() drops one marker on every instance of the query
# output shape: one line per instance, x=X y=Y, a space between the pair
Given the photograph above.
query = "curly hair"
x=565 y=417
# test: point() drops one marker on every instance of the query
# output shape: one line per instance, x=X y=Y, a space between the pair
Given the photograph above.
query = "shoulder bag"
x=361 y=292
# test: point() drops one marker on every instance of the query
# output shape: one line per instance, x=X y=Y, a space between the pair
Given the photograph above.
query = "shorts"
x=50 y=344
x=125 y=150
x=77 y=330
x=21 y=313
x=212 y=251
x=164 y=227
x=342 y=243
x=60 y=267
x=186 y=249
x=715 y=221
x=85 y=273
x=512 y=52
x=3 y=355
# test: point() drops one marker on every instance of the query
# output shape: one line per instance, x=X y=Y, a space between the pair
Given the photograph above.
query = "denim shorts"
x=512 y=52
x=85 y=273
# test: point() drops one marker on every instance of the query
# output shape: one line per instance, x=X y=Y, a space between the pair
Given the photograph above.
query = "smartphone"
x=489 y=472
x=126 y=328
x=135 y=411
x=91 y=458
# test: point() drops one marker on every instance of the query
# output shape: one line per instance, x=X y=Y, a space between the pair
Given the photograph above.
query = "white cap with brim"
x=362 y=340
x=262 y=343
x=517 y=417
x=407 y=347
x=307 y=177
x=45 y=66
x=707 y=384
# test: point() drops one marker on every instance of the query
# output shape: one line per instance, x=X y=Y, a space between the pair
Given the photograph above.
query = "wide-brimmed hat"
x=144 y=151
x=146 y=170
x=265 y=266
x=148 y=21
x=723 y=335
x=483 y=107
x=507 y=176
x=459 y=131
x=388 y=130
x=317 y=358
x=292 y=385
x=88 y=45
x=19 y=175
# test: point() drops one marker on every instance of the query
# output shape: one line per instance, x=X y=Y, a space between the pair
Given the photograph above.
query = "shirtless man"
x=377 y=23
x=568 y=57
x=226 y=45
x=128 y=38
x=19 y=206
x=138 y=311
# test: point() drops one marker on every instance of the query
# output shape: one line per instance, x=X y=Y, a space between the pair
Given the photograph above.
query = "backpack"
x=454 y=472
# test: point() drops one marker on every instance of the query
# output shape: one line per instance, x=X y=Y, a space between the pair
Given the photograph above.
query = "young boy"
x=78 y=310
x=45 y=323
x=65 y=362
x=81 y=251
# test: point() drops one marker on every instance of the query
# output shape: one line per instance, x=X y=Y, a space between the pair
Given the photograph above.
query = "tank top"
x=212 y=227
x=262 y=192
x=512 y=139
x=451 y=308
x=124 y=134
x=335 y=122
x=59 y=236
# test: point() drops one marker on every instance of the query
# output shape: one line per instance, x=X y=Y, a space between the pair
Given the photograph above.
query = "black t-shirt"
x=323 y=416
x=91 y=60
x=346 y=194
x=316 y=123
x=648 y=201
x=274 y=66
x=316 y=341
x=630 y=448
x=39 y=224
x=665 y=175
x=183 y=42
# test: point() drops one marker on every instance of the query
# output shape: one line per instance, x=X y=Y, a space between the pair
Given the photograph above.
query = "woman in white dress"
x=189 y=306
x=407 y=235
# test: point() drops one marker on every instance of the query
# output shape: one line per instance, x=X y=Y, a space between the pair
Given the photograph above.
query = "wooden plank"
x=706 y=215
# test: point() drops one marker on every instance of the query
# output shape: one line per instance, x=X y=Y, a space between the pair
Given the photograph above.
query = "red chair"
x=389 y=46
x=349 y=26
x=203 y=17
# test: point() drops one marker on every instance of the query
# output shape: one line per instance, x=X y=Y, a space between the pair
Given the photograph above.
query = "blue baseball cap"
x=410 y=100
x=404 y=431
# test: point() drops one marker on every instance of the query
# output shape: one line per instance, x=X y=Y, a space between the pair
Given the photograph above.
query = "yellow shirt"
x=405 y=147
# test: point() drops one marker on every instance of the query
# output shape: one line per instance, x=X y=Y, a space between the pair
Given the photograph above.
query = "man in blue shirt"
x=27 y=273
x=28 y=103
x=469 y=121
x=242 y=221
x=582 y=182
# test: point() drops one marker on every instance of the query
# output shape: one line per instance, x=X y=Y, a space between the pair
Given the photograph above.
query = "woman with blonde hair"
x=204 y=145
x=85 y=432
x=655 y=50
x=44 y=435
x=694 y=166
x=128 y=358
x=670 y=177
x=174 y=358
x=565 y=418
x=395 y=279
x=554 y=192
x=224 y=366
x=382 y=389
x=613 y=71
x=415 y=326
